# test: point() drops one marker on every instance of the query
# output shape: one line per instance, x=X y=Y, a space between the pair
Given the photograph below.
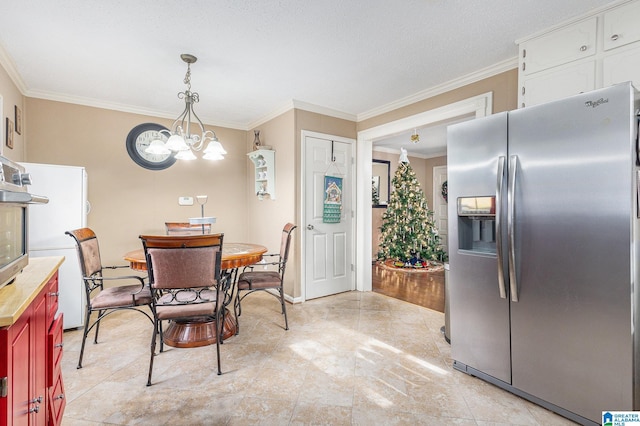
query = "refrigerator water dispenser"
x=476 y=224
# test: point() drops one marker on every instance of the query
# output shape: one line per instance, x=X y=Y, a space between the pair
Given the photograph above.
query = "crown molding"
x=10 y=67
x=287 y=106
x=409 y=153
x=495 y=69
x=324 y=110
x=305 y=106
x=90 y=102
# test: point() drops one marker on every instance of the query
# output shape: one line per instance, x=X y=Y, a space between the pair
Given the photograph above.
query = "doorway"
x=477 y=106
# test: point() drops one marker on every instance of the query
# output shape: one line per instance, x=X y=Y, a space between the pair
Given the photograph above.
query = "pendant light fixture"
x=415 y=137
x=181 y=140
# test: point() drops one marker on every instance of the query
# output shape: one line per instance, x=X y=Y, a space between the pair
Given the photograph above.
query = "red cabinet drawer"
x=57 y=401
x=52 y=297
x=54 y=351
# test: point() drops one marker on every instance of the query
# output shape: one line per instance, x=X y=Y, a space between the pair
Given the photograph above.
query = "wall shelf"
x=265 y=174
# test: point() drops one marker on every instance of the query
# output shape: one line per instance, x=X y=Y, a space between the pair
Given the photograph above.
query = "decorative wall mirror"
x=380 y=183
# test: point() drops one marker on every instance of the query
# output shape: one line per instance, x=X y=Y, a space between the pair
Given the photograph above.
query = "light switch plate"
x=185 y=201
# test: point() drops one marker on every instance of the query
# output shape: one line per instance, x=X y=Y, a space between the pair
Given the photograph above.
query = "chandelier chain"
x=187 y=77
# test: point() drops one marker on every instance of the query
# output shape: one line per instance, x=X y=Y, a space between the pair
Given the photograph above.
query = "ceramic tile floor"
x=349 y=359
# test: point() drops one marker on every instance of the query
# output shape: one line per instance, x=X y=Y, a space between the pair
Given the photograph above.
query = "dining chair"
x=269 y=280
x=105 y=300
x=187 y=283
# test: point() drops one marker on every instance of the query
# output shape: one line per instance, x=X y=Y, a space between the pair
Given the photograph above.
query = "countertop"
x=16 y=297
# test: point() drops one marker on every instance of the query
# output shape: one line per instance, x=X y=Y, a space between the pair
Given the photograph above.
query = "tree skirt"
x=432 y=267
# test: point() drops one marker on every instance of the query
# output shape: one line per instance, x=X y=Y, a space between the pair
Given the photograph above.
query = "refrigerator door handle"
x=513 y=281
x=499 y=252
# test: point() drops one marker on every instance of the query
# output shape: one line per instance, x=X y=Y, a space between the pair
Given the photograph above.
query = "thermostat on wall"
x=185 y=201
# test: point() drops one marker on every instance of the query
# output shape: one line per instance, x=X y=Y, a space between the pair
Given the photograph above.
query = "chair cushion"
x=258 y=280
x=114 y=297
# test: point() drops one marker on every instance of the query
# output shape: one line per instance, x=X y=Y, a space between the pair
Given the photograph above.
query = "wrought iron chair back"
x=100 y=299
x=186 y=283
x=252 y=280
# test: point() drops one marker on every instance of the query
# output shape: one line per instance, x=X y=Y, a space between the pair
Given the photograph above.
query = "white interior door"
x=328 y=246
x=440 y=206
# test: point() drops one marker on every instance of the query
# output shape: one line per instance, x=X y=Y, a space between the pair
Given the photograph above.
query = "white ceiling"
x=259 y=57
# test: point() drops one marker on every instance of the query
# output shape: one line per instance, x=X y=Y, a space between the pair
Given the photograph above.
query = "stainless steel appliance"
x=14 y=201
x=544 y=252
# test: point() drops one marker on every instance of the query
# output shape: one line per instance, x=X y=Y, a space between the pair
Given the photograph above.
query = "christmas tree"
x=408 y=233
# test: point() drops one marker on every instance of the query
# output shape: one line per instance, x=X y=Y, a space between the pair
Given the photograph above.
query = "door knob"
x=310 y=227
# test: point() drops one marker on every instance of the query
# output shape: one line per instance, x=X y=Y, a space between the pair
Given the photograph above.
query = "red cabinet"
x=31 y=387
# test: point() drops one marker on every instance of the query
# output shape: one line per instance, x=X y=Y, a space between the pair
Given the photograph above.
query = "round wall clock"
x=139 y=139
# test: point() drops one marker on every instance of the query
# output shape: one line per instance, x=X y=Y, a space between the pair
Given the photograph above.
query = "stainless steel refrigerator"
x=544 y=251
x=66 y=187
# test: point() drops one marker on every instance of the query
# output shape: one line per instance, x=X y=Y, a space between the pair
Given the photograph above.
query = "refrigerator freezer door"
x=574 y=212
x=66 y=188
x=479 y=316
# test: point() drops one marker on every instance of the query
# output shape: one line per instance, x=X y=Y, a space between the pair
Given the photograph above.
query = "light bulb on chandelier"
x=181 y=141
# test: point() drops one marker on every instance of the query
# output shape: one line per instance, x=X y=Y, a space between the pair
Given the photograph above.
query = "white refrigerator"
x=66 y=187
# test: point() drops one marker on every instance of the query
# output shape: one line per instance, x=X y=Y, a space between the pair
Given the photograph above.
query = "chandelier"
x=181 y=140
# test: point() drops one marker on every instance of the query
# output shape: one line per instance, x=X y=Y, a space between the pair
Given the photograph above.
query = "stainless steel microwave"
x=14 y=210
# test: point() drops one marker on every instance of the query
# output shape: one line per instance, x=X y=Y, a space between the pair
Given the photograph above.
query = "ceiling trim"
x=10 y=67
x=480 y=105
x=495 y=69
x=78 y=100
x=397 y=151
x=305 y=106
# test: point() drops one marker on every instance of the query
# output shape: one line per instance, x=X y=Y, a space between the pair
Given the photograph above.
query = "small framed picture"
x=18 y=119
x=9 y=133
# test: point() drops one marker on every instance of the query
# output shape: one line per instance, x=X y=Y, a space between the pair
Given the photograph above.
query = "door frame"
x=302 y=208
x=480 y=106
x=437 y=196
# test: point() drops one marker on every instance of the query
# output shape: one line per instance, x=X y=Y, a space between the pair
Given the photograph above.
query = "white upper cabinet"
x=588 y=53
x=559 y=47
x=621 y=26
x=621 y=66
x=561 y=82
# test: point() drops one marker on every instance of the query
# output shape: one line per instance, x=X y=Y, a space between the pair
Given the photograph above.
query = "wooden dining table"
x=191 y=333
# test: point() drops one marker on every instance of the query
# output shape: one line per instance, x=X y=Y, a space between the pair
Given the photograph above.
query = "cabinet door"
x=622 y=66
x=19 y=372
x=621 y=26
x=558 y=84
x=559 y=47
